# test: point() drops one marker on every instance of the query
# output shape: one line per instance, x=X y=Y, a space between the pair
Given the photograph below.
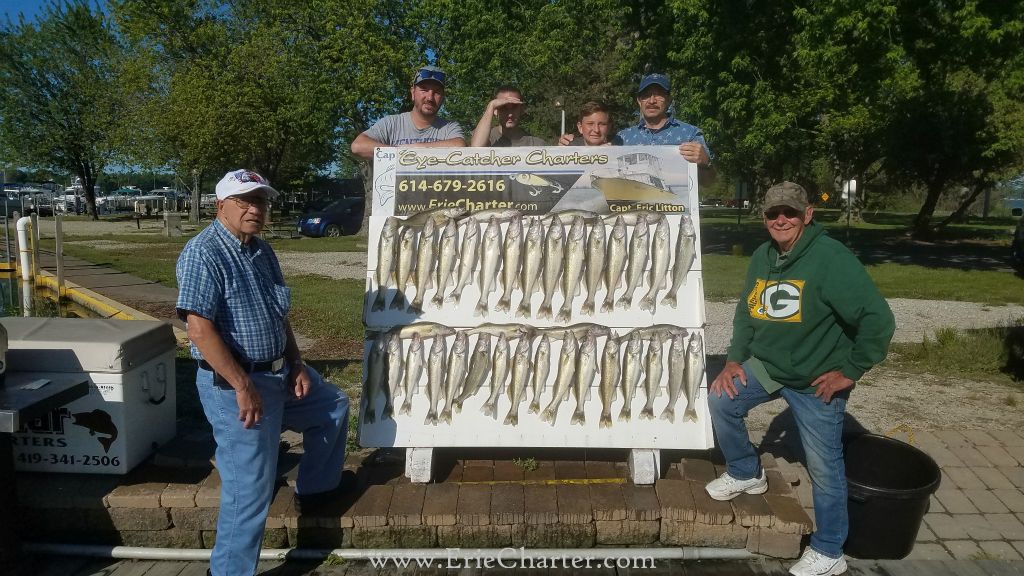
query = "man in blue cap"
x=421 y=126
x=658 y=127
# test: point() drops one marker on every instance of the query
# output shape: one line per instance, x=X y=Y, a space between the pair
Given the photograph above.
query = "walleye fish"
x=614 y=262
x=686 y=253
x=630 y=376
x=586 y=367
x=455 y=374
x=653 y=368
x=490 y=259
x=385 y=260
x=595 y=266
x=511 y=260
x=500 y=214
x=637 y=263
x=406 y=256
x=424 y=330
x=435 y=378
x=541 y=366
x=676 y=375
x=467 y=259
x=448 y=254
x=424 y=266
x=499 y=373
x=580 y=330
x=564 y=378
x=510 y=331
x=413 y=370
x=632 y=217
x=567 y=216
x=438 y=215
x=575 y=252
x=553 y=250
x=609 y=378
x=659 y=331
x=537 y=184
x=694 y=374
x=393 y=357
x=660 y=257
x=533 y=257
x=375 y=370
x=479 y=368
x=520 y=374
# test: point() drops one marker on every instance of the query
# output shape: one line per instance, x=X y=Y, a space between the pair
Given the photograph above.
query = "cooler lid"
x=84 y=344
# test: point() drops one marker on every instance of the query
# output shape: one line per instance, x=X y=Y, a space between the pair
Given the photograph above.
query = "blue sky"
x=30 y=8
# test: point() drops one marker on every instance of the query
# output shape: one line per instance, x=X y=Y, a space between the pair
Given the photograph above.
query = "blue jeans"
x=247 y=458
x=821 y=431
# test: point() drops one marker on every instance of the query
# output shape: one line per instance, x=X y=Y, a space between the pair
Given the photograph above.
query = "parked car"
x=341 y=217
x=1017 y=247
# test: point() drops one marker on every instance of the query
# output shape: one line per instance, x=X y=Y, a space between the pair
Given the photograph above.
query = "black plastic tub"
x=889 y=487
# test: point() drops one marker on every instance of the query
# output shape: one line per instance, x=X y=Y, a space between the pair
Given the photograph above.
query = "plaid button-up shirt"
x=239 y=287
x=672 y=133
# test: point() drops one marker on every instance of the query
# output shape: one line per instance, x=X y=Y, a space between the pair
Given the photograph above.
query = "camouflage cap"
x=786 y=194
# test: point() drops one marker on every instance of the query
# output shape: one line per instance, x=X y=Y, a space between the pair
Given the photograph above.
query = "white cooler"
x=131 y=405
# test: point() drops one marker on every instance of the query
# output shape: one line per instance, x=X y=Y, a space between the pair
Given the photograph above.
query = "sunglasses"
x=788 y=212
x=246 y=203
x=424 y=74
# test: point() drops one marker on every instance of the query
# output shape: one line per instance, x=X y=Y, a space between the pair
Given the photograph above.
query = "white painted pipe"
x=462 y=554
x=26 y=298
x=24 y=251
x=35 y=244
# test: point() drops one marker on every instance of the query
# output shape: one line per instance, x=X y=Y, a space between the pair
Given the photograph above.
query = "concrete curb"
x=100 y=304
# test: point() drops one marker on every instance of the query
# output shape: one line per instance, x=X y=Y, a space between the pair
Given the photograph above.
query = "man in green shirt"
x=809 y=324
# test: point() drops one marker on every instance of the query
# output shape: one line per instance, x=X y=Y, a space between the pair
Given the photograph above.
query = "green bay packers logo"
x=776 y=301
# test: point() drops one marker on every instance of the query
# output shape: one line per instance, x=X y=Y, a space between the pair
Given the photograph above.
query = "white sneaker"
x=726 y=487
x=813 y=563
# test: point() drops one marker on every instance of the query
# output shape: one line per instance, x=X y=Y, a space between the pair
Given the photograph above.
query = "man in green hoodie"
x=809 y=324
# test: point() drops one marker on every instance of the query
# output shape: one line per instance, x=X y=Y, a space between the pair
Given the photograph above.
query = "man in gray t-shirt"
x=419 y=127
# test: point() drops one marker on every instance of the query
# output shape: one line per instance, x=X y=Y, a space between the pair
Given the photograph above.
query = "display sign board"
x=542 y=296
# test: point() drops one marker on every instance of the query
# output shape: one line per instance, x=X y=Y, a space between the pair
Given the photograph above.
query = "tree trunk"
x=922 y=222
x=961 y=210
x=88 y=176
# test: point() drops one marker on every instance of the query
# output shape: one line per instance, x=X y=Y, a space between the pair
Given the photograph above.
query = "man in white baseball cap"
x=250 y=377
x=239 y=182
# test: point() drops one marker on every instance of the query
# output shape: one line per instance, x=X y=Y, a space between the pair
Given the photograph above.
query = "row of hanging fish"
x=532 y=254
x=621 y=366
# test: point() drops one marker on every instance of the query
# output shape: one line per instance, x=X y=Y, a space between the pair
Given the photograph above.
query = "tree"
x=963 y=125
x=570 y=51
x=740 y=82
x=267 y=84
x=62 y=92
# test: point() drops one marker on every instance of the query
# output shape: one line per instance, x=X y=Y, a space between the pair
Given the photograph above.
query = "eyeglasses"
x=427 y=74
x=245 y=204
x=788 y=212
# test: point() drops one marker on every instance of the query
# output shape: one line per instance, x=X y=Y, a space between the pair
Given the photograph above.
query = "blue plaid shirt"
x=672 y=133
x=239 y=287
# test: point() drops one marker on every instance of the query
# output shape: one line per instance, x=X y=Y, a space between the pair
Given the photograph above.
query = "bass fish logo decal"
x=776 y=301
x=97 y=422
